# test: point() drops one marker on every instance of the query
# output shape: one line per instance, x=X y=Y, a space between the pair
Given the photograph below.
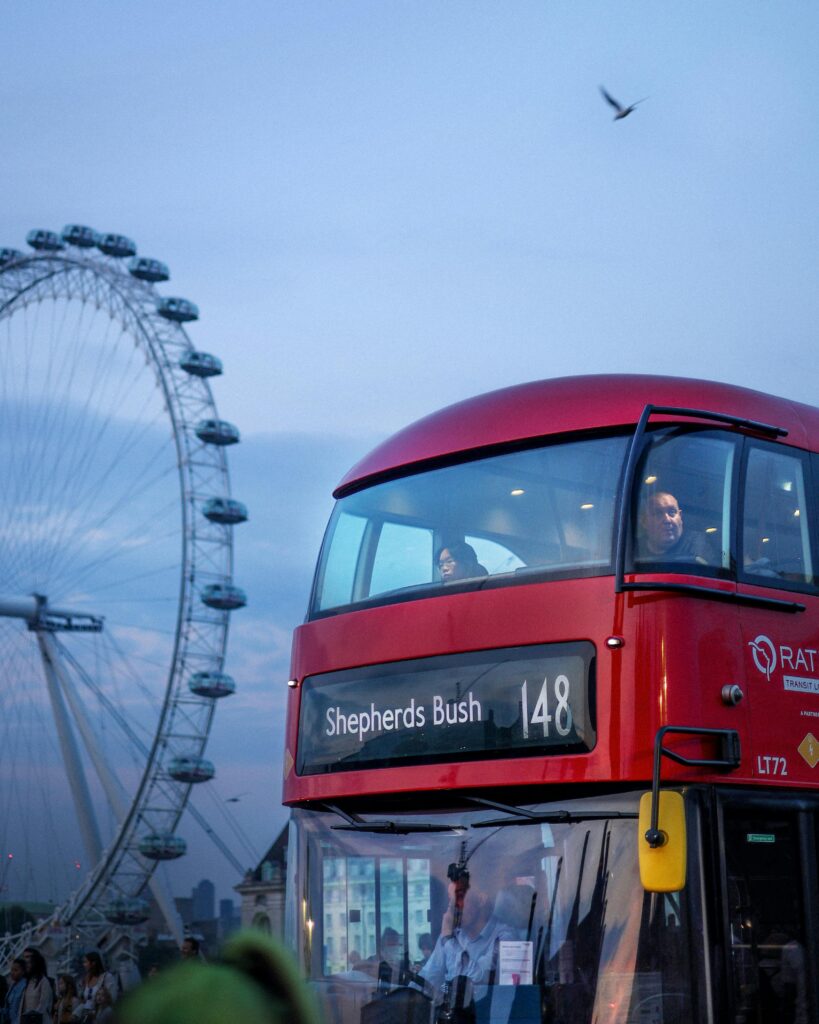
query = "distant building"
x=204 y=901
x=262 y=890
x=229 y=919
x=184 y=907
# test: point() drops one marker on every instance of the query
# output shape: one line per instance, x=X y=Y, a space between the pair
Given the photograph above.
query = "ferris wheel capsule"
x=224 y=596
x=8 y=256
x=80 y=235
x=146 y=269
x=218 y=432
x=128 y=911
x=212 y=684
x=179 y=310
x=162 y=846
x=191 y=769
x=225 y=510
x=201 y=364
x=44 y=241
x=116 y=245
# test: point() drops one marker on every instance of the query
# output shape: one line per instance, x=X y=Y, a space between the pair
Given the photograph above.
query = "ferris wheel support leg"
x=113 y=789
x=112 y=786
x=71 y=755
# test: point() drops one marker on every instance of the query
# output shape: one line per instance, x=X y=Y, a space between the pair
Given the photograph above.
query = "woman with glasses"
x=458 y=561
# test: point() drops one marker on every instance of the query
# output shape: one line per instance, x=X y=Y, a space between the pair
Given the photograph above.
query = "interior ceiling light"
x=517 y=492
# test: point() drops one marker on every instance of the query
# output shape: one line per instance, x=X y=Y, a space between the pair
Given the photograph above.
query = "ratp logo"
x=764 y=654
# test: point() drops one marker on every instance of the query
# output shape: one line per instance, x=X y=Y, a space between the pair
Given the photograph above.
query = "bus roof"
x=564 y=404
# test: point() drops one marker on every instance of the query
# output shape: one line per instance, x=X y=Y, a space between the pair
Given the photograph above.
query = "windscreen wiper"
x=521 y=816
x=395 y=828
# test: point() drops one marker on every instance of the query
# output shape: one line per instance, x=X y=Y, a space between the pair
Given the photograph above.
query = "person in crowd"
x=190 y=949
x=458 y=561
x=94 y=978
x=103 y=1006
x=38 y=997
x=68 y=1000
x=10 y=1014
x=257 y=982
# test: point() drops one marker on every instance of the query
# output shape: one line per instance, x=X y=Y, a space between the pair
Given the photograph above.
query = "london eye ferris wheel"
x=116 y=579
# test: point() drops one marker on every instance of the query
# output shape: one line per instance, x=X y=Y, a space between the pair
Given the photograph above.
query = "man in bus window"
x=458 y=561
x=662 y=537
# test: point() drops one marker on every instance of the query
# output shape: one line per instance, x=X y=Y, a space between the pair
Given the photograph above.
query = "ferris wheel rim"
x=74 y=273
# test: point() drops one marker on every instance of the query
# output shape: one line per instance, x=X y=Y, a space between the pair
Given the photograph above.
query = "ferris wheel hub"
x=39 y=616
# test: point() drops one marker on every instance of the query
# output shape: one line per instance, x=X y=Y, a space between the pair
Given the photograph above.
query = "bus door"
x=769 y=889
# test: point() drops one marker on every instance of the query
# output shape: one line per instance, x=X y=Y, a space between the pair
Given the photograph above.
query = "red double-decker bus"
x=553 y=728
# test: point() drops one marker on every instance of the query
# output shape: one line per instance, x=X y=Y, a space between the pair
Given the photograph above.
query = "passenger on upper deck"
x=458 y=561
x=661 y=535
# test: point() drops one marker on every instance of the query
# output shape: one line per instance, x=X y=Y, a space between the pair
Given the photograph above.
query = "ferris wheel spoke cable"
x=82 y=438
x=117 y=544
x=119 y=717
x=129 y=672
x=207 y=791
x=131 y=441
x=218 y=802
x=139 y=744
x=80 y=493
x=61 y=541
x=129 y=668
x=52 y=405
x=81 y=573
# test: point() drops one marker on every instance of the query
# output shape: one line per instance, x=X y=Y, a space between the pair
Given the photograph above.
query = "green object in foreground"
x=256 y=982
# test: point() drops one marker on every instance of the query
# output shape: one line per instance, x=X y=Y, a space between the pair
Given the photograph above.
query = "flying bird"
x=621 y=110
x=235 y=799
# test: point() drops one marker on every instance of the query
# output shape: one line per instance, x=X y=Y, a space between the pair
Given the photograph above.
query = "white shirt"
x=458 y=955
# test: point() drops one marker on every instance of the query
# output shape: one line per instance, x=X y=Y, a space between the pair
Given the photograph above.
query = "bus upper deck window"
x=776 y=519
x=543 y=511
x=682 y=502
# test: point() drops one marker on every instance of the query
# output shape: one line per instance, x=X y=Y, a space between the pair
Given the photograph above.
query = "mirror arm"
x=729 y=760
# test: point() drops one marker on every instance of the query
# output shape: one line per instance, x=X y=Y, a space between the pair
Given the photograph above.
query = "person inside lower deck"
x=465 y=957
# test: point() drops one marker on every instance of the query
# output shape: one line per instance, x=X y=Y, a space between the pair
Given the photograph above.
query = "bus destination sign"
x=517 y=701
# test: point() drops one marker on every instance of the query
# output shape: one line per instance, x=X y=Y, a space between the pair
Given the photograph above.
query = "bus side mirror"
x=662 y=865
